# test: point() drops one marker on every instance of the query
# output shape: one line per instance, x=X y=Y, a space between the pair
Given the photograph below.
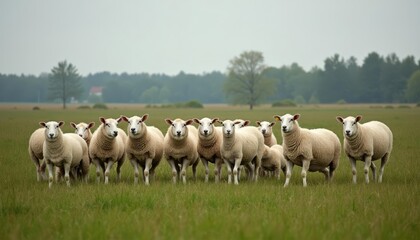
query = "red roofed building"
x=96 y=91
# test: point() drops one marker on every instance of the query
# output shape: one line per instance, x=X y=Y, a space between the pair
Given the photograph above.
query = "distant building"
x=95 y=91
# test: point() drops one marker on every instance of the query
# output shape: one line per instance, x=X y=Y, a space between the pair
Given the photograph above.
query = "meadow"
x=198 y=210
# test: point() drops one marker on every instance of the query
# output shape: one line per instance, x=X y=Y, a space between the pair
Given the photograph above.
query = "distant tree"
x=413 y=87
x=64 y=82
x=246 y=83
x=370 y=78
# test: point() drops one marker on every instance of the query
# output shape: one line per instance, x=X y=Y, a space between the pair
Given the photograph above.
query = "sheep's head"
x=288 y=121
x=135 y=124
x=82 y=129
x=229 y=127
x=178 y=127
x=52 y=129
x=350 y=125
x=206 y=125
x=241 y=123
x=110 y=126
x=266 y=128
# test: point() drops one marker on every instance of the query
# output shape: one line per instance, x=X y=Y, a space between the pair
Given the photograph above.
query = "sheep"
x=180 y=147
x=65 y=151
x=367 y=142
x=144 y=146
x=108 y=147
x=83 y=130
x=266 y=129
x=209 y=142
x=241 y=146
x=312 y=149
x=36 y=142
x=241 y=123
x=273 y=160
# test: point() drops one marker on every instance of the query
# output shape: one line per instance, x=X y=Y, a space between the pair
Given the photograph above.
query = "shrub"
x=100 y=106
x=36 y=108
x=193 y=104
x=403 y=106
x=389 y=106
x=341 y=101
x=284 y=103
x=83 y=107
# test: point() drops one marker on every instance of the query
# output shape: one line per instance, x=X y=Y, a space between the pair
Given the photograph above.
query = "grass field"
x=262 y=210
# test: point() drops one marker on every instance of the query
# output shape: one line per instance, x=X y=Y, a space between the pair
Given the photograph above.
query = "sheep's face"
x=229 y=128
x=110 y=126
x=287 y=122
x=206 y=126
x=135 y=124
x=52 y=129
x=82 y=129
x=179 y=128
x=266 y=128
x=241 y=123
x=350 y=125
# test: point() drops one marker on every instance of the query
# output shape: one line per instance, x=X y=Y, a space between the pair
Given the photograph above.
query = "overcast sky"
x=197 y=36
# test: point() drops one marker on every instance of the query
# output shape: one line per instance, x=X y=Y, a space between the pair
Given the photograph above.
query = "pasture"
x=262 y=210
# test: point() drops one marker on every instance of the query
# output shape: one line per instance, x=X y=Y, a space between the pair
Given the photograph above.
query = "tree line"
x=379 y=79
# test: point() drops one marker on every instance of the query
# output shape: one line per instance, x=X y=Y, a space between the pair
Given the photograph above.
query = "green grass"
x=262 y=210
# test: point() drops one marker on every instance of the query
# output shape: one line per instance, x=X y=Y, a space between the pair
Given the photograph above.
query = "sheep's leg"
x=50 y=174
x=194 y=169
x=277 y=173
x=37 y=166
x=235 y=170
x=373 y=168
x=119 y=165
x=289 y=168
x=353 y=169
x=305 y=168
x=98 y=169
x=108 y=170
x=218 y=170
x=135 y=165
x=326 y=172
x=368 y=161
x=67 y=173
x=384 y=160
x=229 y=170
x=206 y=167
x=185 y=164
x=174 y=169
x=251 y=171
x=146 y=173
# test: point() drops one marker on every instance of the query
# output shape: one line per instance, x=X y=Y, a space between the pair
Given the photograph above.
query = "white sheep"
x=83 y=130
x=266 y=129
x=36 y=142
x=367 y=142
x=312 y=149
x=65 y=151
x=180 y=147
x=108 y=147
x=209 y=142
x=273 y=160
x=241 y=146
x=144 y=146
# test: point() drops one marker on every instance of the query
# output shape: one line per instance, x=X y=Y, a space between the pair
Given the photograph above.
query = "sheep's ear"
x=73 y=125
x=197 y=120
x=61 y=123
x=258 y=123
x=102 y=120
x=296 y=116
x=214 y=120
x=145 y=117
x=238 y=122
x=42 y=124
x=168 y=121
x=91 y=125
x=277 y=117
x=118 y=119
x=246 y=122
x=272 y=124
x=339 y=119
x=358 y=118
x=124 y=118
x=188 y=122
x=220 y=121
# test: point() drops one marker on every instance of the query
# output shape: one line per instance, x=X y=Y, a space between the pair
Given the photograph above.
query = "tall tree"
x=64 y=82
x=413 y=87
x=246 y=83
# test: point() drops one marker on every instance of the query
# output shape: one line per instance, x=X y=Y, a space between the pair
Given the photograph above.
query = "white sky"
x=197 y=36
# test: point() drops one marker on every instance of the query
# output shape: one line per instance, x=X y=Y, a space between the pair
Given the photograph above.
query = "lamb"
x=180 y=147
x=36 y=142
x=241 y=146
x=108 y=147
x=312 y=149
x=266 y=129
x=273 y=160
x=209 y=142
x=144 y=146
x=67 y=151
x=367 y=142
x=83 y=130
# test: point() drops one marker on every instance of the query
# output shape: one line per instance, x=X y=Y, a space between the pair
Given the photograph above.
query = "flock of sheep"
x=234 y=143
